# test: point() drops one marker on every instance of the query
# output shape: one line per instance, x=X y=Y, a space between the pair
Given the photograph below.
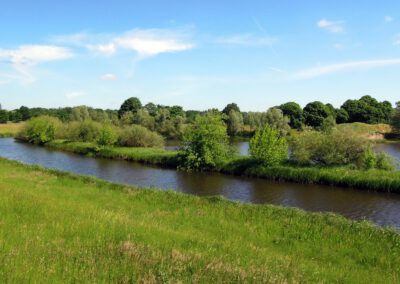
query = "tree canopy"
x=132 y=104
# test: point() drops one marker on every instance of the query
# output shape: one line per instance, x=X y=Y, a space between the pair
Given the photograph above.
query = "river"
x=381 y=208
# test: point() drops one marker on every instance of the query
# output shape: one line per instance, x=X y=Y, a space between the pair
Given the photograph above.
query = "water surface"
x=381 y=208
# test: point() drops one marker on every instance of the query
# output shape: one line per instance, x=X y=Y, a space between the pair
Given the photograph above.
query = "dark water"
x=383 y=209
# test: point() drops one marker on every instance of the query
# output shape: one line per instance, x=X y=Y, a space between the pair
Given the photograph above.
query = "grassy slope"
x=56 y=227
x=10 y=129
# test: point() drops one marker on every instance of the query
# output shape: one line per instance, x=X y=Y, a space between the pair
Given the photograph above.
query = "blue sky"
x=198 y=54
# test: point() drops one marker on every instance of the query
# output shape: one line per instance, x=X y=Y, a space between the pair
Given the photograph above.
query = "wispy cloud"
x=108 y=77
x=74 y=94
x=334 y=68
x=388 y=19
x=25 y=57
x=247 y=40
x=331 y=26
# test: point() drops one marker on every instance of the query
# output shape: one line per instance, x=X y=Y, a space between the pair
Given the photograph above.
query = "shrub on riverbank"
x=139 y=136
x=59 y=227
x=40 y=130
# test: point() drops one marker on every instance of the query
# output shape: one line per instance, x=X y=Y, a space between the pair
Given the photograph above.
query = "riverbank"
x=377 y=180
x=10 y=129
x=57 y=226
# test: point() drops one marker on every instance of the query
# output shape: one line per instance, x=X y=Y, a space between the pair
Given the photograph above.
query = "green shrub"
x=139 y=136
x=368 y=159
x=83 y=131
x=205 y=144
x=268 y=146
x=330 y=149
x=40 y=130
x=384 y=162
x=107 y=136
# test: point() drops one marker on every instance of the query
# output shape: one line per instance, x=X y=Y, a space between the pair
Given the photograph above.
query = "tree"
x=151 y=109
x=205 y=144
x=315 y=113
x=132 y=104
x=294 y=112
x=368 y=110
x=80 y=113
x=395 y=122
x=268 y=146
x=341 y=116
x=107 y=136
x=142 y=117
x=24 y=111
x=235 y=122
x=3 y=116
x=230 y=107
x=275 y=119
x=177 y=111
x=42 y=129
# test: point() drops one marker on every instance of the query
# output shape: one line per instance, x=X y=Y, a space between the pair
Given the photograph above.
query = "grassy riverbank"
x=377 y=180
x=58 y=227
x=10 y=129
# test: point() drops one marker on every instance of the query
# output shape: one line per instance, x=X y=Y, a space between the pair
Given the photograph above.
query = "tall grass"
x=10 y=129
x=58 y=227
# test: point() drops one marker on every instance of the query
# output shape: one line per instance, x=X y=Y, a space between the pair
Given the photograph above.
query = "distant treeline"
x=170 y=121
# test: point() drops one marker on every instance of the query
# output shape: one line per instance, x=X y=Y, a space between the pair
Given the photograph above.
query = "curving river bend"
x=381 y=208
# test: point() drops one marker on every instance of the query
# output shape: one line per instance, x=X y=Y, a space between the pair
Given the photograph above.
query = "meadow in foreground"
x=58 y=227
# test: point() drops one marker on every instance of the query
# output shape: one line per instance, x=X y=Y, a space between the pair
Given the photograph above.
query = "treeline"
x=170 y=121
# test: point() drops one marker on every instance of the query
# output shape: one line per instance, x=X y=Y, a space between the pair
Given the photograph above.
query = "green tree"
x=25 y=114
x=368 y=110
x=230 y=107
x=42 y=129
x=205 y=144
x=268 y=146
x=235 y=122
x=275 y=119
x=295 y=114
x=151 y=109
x=80 y=113
x=107 y=136
x=341 y=116
x=132 y=104
x=315 y=113
x=3 y=116
x=395 y=121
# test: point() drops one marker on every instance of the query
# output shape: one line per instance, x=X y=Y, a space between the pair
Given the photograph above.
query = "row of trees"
x=171 y=121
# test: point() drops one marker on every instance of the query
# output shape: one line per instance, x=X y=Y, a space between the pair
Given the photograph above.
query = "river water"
x=381 y=208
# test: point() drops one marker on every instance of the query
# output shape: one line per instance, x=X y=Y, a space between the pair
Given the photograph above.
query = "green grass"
x=371 y=131
x=58 y=227
x=10 y=129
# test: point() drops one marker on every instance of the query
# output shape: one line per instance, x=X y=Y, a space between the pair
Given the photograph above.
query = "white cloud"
x=152 y=42
x=108 y=77
x=247 y=40
x=34 y=54
x=333 y=68
x=331 y=26
x=388 y=19
x=396 y=40
x=107 y=49
x=71 y=95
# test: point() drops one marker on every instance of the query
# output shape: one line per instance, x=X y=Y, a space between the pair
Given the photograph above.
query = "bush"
x=329 y=149
x=84 y=131
x=205 y=144
x=108 y=136
x=268 y=146
x=372 y=160
x=41 y=130
x=139 y=136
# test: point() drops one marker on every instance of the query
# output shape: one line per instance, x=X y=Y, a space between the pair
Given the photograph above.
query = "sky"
x=197 y=54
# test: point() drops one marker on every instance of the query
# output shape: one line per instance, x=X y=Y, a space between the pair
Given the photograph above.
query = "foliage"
x=84 y=131
x=234 y=122
x=328 y=124
x=295 y=114
x=329 y=149
x=107 y=136
x=315 y=113
x=230 y=107
x=395 y=122
x=3 y=116
x=341 y=116
x=40 y=130
x=368 y=110
x=372 y=160
x=205 y=144
x=132 y=104
x=274 y=118
x=139 y=136
x=268 y=146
